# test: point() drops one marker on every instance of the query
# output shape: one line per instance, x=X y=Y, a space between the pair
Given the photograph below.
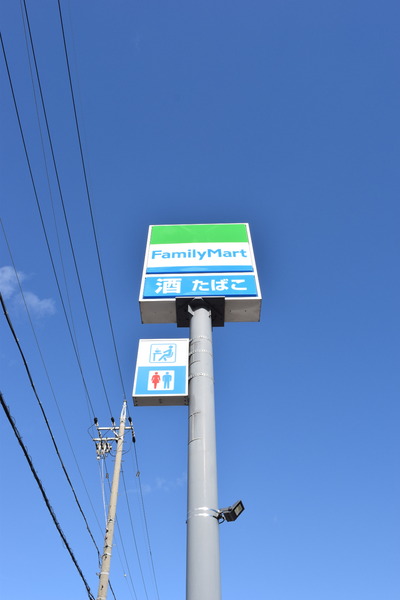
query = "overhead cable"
x=44 y=228
x=122 y=546
x=45 y=498
x=145 y=521
x=49 y=187
x=64 y=209
x=10 y=325
x=134 y=536
x=45 y=367
x=100 y=263
x=55 y=400
x=89 y=201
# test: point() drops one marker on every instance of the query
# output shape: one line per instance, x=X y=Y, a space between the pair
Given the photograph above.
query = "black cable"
x=63 y=207
x=98 y=256
x=55 y=400
x=53 y=264
x=121 y=541
x=43 y=225
x=99 y=261
x=46 y=421
x=49 y=507
x=89 y=201
x=45 y=369
x=47 y=173
x=145 y=521
x=134 y=536
x=10 y=325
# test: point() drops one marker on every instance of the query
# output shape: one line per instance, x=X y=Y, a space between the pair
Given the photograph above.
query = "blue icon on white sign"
x=162 y=353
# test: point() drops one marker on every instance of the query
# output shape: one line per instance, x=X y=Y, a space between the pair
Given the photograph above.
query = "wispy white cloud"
x=9 y=287
x=36 y=306
x=161 y=484
x=167 y=485
x=9 y=282
x=146 y=488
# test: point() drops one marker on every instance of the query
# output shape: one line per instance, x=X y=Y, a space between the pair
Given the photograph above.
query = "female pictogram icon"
x=155 y=380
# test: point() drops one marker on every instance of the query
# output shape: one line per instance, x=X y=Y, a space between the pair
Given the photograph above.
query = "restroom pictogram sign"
x=161 y=376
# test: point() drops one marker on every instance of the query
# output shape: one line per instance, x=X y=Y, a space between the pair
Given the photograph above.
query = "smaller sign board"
x=161 y=376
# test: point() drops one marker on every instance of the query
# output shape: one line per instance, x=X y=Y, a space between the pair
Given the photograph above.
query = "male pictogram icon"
x=167 y=380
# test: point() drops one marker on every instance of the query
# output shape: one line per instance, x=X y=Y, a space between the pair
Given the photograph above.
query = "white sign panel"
x=161 y=376
x=197 y=258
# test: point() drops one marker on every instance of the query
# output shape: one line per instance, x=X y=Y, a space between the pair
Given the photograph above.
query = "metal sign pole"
x=203 y=559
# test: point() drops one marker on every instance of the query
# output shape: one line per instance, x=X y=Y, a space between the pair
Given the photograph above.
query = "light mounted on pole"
x=231 y=513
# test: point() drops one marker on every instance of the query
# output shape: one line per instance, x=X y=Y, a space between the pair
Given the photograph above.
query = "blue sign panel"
x=200 y=285
x=160 y=381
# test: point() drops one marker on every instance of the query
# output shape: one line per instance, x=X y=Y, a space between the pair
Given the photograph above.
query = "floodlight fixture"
x=231 y=513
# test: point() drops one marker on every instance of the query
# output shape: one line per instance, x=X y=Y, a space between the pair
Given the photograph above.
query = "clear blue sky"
x=281 y=114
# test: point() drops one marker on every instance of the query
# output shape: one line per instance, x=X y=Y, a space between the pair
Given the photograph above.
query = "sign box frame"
x=238 y=308
x=177 y=366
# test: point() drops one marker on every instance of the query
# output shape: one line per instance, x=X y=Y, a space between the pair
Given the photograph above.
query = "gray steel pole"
x=112 y=509
x=203 y=568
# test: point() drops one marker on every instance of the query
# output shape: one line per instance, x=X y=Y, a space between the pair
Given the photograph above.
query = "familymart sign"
x=204 y=260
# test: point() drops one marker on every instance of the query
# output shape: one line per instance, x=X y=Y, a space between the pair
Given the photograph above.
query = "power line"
x=44 y=227
x=132 y=529
x=45 y=367
x=25 y=24
x=46 y=500
x=121 y=542
x=47 y=422
x=145 y=522
x=10 y=325
x=64 y=209
x=125 y=556
x=134 y=536
x=100 y=266
x=89 y=201
x=57 y=405
x=96 y=244
x=100 y=263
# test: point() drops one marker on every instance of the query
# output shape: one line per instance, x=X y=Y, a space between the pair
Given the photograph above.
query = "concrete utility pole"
x=203 y=559
x=103 y=446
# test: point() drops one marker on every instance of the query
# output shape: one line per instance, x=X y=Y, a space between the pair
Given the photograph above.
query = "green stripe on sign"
x=187 y=234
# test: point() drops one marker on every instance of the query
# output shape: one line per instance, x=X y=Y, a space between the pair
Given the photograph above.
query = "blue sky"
x=280 y=114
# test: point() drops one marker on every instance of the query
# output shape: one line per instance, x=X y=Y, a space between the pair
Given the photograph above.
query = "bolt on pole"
x=203 y=556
